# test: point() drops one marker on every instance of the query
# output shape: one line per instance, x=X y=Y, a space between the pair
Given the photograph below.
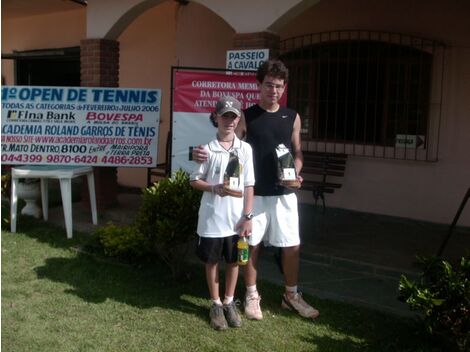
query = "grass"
x=55 y=298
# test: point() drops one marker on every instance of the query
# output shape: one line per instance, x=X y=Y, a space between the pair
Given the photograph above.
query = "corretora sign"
x=195 y=95
x=80 y=126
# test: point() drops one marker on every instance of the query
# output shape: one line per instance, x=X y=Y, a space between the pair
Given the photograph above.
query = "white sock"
x=291 y=289
x=228 y=299
x=217 y=301
x=251 y=290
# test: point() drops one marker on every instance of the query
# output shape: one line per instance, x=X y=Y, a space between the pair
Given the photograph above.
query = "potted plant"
x=28 y=189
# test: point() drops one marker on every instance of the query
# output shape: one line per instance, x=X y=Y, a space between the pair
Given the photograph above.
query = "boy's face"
x=227 y=122
x=271 y=90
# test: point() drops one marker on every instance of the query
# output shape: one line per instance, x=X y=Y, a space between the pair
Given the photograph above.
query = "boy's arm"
x=201 y=185
x=206 y=187
x=245 y=225
x=248 y=200
x=198 y=177
x=297 y=147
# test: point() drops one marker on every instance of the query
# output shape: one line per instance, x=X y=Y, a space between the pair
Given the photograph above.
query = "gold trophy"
x=232 y=177
x=286 y=169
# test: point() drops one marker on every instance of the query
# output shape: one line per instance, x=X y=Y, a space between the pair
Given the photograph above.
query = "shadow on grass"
x=95 y=279
x=356 y=328
x=55 y=236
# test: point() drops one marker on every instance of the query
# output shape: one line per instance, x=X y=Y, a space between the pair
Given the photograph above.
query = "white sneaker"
x=252 y=307
x=298 y=304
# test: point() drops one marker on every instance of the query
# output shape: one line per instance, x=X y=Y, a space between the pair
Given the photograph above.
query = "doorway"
x=50 y=67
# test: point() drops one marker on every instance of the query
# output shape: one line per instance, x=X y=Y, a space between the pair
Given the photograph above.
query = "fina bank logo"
x=24 y=115
x=12 y=115
x=38 y=116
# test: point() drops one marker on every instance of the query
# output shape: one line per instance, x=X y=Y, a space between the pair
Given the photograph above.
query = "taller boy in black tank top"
x=266 y=125
x=266 y=130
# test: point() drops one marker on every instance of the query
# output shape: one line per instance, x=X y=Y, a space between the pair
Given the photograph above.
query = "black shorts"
x=212 y=250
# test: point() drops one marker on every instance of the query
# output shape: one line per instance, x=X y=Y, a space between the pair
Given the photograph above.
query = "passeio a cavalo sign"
x=246 y=59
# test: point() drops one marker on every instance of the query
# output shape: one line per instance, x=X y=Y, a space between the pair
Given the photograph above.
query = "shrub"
x=123 y=241
x=165 y=224
x=168 y=216
x=443 y=298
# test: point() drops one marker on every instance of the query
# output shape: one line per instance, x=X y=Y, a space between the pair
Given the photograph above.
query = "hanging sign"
x=411 y=141
x=246 y=59
x=80 y=126
x=195 y=96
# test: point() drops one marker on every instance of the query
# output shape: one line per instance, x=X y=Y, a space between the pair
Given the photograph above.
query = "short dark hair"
x=213 y=118
x=274 y=68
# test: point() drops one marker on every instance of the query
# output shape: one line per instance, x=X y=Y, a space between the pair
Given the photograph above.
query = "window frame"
x=303 y=57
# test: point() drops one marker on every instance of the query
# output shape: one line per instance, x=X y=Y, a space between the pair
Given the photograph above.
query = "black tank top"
x=264 y=132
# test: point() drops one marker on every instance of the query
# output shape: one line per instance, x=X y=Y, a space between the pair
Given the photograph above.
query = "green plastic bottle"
x=243 y=251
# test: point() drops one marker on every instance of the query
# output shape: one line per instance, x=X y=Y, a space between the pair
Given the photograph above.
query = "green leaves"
x=168 y=217
x=169 y=210
x=166 y=222
x=123 y=240
x=443 y=296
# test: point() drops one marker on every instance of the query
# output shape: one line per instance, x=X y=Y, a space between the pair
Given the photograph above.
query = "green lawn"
x=55 y=298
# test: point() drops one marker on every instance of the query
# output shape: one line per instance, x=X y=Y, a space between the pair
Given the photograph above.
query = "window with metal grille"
x=367 y=93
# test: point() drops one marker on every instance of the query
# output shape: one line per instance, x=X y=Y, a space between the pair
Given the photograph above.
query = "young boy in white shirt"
x=223 y=216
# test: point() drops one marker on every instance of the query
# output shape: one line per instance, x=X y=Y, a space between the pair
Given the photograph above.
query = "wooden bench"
x=322 y=173
x=159 y=172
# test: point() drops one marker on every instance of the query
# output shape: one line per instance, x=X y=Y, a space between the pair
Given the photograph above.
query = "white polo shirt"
x=218 y=216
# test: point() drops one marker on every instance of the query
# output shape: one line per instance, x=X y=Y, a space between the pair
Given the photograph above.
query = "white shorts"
x=276 y=221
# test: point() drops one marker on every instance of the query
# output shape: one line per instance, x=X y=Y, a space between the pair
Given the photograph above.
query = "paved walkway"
x=347 y=256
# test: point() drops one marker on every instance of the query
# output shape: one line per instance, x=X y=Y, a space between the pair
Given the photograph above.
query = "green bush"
x=443 y=298
x=168 y=216
x=165 y=224
x=121 y=241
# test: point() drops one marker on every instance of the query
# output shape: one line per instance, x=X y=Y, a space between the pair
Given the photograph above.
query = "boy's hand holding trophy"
x=232 y=177
x=286 y=169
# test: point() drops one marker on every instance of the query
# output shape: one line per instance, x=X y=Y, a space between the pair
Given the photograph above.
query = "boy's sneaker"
x=298 y=304
x=217 y=316
x=232 y=316
x=252 y=307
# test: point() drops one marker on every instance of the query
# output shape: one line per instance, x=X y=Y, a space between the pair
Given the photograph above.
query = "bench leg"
x=45 y=198
x=66 y=191
x=318 y=194
x=14 y=204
